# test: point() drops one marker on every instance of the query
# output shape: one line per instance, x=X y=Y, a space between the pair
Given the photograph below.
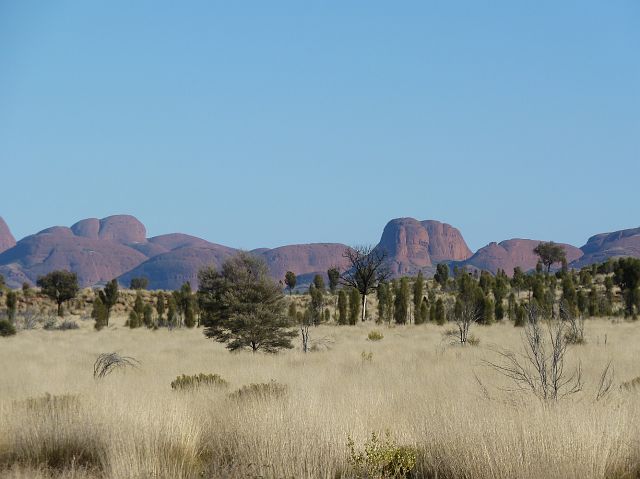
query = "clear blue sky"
x=267 y=123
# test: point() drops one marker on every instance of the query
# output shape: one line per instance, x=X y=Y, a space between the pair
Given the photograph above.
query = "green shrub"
x=197 y=381
x=6 y=328
x=381 y=458
x=366 y=356
x=272 y=389
x=375 y=335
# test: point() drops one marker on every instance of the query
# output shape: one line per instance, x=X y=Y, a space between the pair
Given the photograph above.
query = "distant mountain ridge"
x=99 y=250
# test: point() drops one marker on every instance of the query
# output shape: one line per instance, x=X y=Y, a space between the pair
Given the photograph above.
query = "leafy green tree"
x=2 y=283
x=147 y=316
x=383 y=295
x=486 y=282
x=442 y=274
x=109 y=297
x=500 y=290
x=172 y=312
x=367 y=269
x=290 y=280
x=354 y=305
x=512 y=305
x=160 y=307
x=139 y=283
x=316 y=304
x=582 y=302
x=569 y=295
x=521 y=316
x=60 y=286
x=333 y=274
x=342 y=307
x=136 y=315
x=519 y=280
x=243 y=307
x=550 y=253
x=318 y=282
x=401 y=304
x=12 y=305
x=99 y=314
x=418 y=293
x=627 y=277
x=594 y=302
x=440 y=313
x=186 y=302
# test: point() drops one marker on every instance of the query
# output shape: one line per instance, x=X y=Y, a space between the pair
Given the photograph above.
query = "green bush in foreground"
x=6 y=328
x=381 y=458
x=375 y=335
x=197 y=381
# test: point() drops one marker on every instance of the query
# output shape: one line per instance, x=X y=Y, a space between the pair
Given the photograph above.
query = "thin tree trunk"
x=364 y=306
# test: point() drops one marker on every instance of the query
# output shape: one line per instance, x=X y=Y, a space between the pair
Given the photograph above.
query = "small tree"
x=418 y=292
x=401 y=309
x=442 y=274
x=440 y=315
x=316 y=304
x=139 y=283
x=186 y=303
x=367 y=269
x=342 y=307
x=550 y=253
x=109 y=297
x=60 y=286
x=333 y=274
x=12 y=304
x=172 y=312
x=627 y=277
x=466 y=312
x=243 y=307
x=318 y=282
x=99 y=314
x=290 y=280
x=354 y=305
x=160 y=307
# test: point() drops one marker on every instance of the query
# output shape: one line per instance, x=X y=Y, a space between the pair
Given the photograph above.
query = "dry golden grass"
x=422 y=389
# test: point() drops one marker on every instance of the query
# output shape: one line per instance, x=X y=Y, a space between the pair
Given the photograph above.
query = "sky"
x=259 y=124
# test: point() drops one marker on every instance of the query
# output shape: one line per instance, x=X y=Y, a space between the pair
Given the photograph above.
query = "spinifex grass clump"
x=272 y=389
x=7 y=328
x=375 y=335
x=381 y=458
x=197 y=381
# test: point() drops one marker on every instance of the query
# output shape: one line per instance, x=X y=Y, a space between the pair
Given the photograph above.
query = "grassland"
x=417 y=385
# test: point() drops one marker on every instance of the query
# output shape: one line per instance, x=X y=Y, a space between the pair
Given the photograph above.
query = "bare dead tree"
x=465 y=314
x=106 y=363
x=367 y=269
x=305 y=323
x=541 y=368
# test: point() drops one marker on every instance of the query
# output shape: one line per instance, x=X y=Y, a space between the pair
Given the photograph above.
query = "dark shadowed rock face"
x=304 y=258
x=511 y=253
x=6 y=238
x=170 y=270
x=603 y=246
x=413 y=245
